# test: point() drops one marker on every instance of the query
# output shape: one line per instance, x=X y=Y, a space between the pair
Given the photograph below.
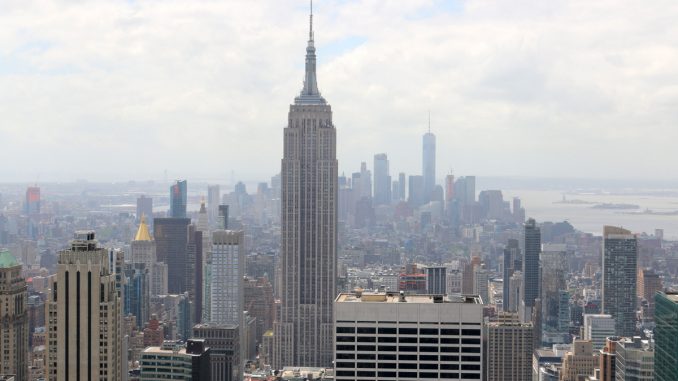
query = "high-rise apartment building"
x=382 y=180
x=227 y=270
x=178 y=199
x=649 y=283
x=14 y=318
x=634 y=360
x=597 y=328
x=171 y=243
x=428 y=163
x=665 y=334
x=393 y=336
x=86 y=296
x=532 y=247
x=304 y=330
x=509 y=348
x=620 y=256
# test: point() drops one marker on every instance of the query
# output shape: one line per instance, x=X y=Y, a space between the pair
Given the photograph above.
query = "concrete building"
x=213 y=200
x=14 y=318
x=304 y=330
x=173 y=361
x=259 y=303
x=87 y=325
x=634 y=360
x=649 y=283
x=597 y=328
x=391 y=336
x=620 y=256
x=579 y=362
x=665 y=334
x=554 y=269
x=512 y=263
x=509 y=348
x=224 y=343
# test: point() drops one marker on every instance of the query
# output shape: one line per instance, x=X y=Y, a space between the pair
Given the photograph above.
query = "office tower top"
x=14 y=333
x=665 y=333
x=142 y=233
x=88 y=311
x=532 y=247
x=222 y=221
x=428 y=161
x=213 y=199
x=178 y=199
x=309 y=193
x=620 y=256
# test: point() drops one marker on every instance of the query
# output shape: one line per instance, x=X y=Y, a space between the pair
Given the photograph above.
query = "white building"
x=392 y=336
x=597 y=328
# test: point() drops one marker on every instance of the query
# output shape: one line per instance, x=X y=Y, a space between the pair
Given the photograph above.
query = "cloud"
x=126 y=90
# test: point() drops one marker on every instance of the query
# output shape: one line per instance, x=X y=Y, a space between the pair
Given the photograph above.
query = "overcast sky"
x=118 y=90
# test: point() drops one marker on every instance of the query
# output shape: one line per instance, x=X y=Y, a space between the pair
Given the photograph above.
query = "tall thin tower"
x=428 y=161
x=304 y=330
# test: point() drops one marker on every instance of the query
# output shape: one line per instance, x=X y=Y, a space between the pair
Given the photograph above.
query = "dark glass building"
x=178 y=199
x=620 y=258
x=171 y=243
x=665 y=334
x=531 y=263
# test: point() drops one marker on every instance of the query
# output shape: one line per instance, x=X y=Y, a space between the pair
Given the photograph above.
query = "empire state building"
x=303 y=333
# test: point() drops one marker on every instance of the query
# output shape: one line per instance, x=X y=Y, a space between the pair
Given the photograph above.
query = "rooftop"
x=394 y=297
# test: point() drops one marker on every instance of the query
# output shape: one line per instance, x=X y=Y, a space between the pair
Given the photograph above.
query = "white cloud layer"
x=127 y=89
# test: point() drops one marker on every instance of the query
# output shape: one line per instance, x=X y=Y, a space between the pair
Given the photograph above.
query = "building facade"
x=224 y=343
x=509 y=348
x=178 y=199
x=597 y=328
x=86 y=297
x=13 y=318
x=172 y=361
x=428 y=163
x=665 y=334
x=393 y=336
x=171 y=243
x=620 y=257
x=304 y=330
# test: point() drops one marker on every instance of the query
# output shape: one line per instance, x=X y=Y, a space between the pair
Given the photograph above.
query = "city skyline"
x=141 y=92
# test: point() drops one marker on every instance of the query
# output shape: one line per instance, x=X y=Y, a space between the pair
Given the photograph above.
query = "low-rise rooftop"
x=395 y=297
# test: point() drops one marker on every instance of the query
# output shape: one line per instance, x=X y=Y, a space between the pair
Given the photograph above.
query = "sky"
x=139 y=90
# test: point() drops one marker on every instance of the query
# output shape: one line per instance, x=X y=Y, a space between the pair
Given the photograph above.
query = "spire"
x=429 y=121
x=142 y=233
x=310 y=93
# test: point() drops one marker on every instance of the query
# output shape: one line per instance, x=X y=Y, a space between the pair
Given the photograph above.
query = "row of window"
x=404 y=365
x=403 y=357
x=406 y=339
x=409 y=331
x=405 y=348
x=420 y=375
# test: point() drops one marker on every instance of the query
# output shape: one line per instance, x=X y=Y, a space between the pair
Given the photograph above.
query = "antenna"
x=310 y=30
x=429 y=121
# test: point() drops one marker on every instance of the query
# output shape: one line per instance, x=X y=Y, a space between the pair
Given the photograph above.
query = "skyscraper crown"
x=310 y=95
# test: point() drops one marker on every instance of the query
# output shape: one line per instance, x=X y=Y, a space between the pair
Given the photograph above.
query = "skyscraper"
x=402 y=186
x=87 y=298
x=14 y=317
x=171 y=242
x=32 y=205
x=143 y=251
x=620 y=255
x=532 y=247
x=178 y=199
x=665 y=333
x=428 y=162
x=382 y=180
x=145 y=208
x=416 y=196
x=226 y=277
x=511 y=262
x=213 y=200
x=304 y=332
x=509 y=348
